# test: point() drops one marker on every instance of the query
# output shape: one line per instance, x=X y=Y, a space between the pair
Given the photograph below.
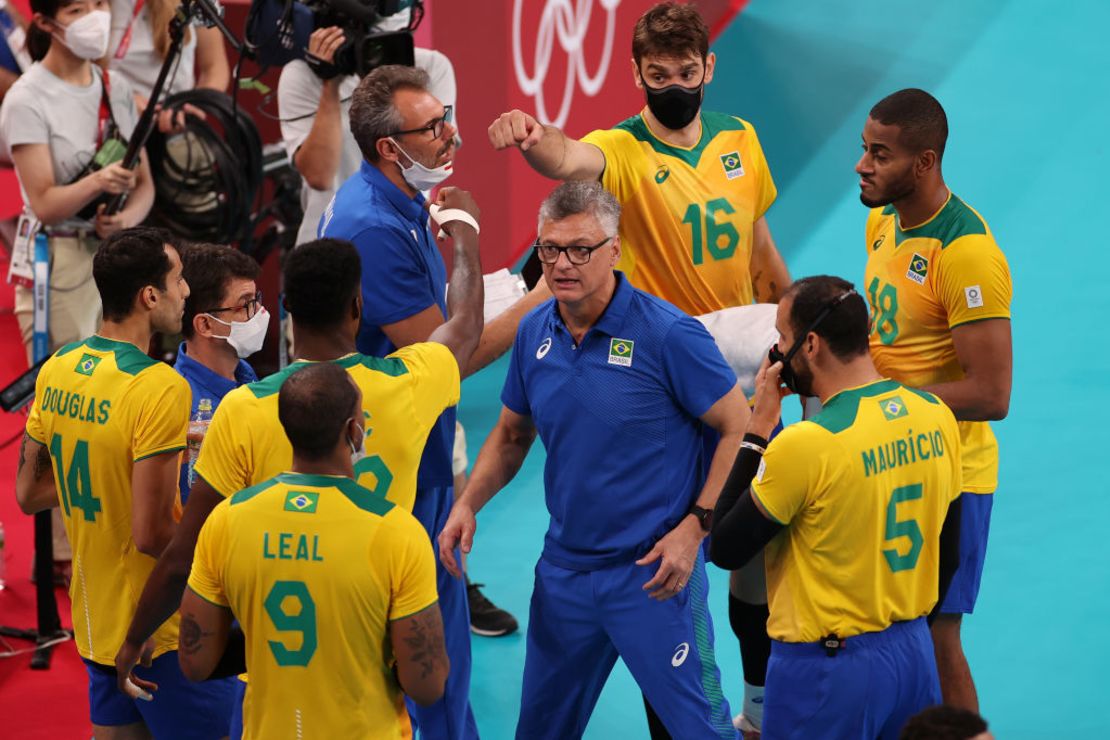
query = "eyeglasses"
x=436 y=126
x=577 y=255
x=251 y=306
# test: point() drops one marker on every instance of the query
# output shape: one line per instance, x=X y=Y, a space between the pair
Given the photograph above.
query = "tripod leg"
x=49 y=624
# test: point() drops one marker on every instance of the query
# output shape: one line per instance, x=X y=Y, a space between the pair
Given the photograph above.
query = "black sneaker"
x=485 y=618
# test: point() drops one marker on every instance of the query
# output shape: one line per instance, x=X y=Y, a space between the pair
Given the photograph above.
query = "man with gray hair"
x=408 y=144
x=617 y=384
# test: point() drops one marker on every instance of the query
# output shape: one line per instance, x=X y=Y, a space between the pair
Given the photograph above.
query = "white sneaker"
x=747 y=729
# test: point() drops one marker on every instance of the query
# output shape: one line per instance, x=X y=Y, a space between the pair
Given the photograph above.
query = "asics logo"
x=662 y=174
x=544 y=348
x=680 y=654
x=567 y=20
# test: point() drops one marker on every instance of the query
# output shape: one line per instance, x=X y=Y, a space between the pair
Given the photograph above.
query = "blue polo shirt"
x=206 y=383
x=403 y=273
x=619 y=418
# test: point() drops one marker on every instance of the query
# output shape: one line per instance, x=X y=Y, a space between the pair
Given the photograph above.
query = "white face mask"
x=359 y=452
x=247 y=337
x=420 y=177
x=87 y=37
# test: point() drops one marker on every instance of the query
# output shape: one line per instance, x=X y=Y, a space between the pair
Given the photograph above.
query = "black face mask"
x=674 y=106
x=789 y=378
x=787 y=375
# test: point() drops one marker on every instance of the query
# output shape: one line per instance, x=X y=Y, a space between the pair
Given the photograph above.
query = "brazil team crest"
x=893 y=408
x=87 y=364
x=620 y=352
x=919 y=269
x=733 y=166
x=302 y=501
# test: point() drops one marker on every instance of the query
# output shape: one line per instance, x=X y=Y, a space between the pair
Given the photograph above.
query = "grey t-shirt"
x=141 y=63
x=298 y=98
x=43 y=109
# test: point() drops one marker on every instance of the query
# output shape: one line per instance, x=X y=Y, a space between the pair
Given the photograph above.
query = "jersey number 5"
x=706 y=233
x=303 y=621
x=75 y=485
x=907 y=528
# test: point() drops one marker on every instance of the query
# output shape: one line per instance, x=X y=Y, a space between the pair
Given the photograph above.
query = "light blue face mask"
x=420 y=177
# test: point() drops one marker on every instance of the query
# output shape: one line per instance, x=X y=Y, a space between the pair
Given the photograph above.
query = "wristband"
x=445 y=215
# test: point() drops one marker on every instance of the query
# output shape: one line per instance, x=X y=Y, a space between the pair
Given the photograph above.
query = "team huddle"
x=303 y=575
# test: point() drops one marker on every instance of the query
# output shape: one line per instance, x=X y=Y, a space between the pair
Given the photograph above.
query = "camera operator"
x=65 y=123
x=140 y=41
x=314 y=102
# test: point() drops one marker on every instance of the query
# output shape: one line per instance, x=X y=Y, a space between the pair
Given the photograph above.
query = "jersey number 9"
x=303 y=621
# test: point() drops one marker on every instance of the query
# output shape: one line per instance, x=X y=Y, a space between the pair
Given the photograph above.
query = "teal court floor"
x=1026 y=85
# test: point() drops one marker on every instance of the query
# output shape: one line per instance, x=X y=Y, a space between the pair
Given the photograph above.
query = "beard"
x=803 y=376
x=900 y=189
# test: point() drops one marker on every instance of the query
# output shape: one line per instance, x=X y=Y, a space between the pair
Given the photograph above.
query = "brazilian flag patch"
x=87 y=364
x=620 y=352
x=302 y=501
x=733 y=166
x=919 y=269
x=893 y=408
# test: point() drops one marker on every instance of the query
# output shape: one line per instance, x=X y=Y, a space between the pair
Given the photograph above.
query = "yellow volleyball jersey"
x=402 y=397
x=863 y=489
x=100 y=407
x=688 y=214
x=314 y=568
x=922 y=283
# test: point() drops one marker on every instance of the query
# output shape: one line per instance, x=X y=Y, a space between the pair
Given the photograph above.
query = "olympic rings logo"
x=569 y=21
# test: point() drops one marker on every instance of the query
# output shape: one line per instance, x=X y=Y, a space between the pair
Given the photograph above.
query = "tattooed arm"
x=34 y=481
x=770 y=278
x=203 y=635
x=422 y=662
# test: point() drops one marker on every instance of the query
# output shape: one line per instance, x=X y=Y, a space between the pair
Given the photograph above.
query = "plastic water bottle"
x=198 y=427
x=3 y=563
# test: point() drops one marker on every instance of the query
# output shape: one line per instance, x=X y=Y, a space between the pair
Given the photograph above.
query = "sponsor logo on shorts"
x=893 y=408
x=620 y=352
x=680 y=654
x=919 y=268
x=662 y=174
x=761 y=470
x=87 y=364
x=302 y=501
x=733 y=166
x=544 y=348
x=974 y=296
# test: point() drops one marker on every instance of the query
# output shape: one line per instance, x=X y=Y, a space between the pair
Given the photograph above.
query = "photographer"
x=65 y=123
x=140 y=40
x=314 y=102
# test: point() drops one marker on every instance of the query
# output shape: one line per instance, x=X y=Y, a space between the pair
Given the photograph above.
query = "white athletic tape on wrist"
x=445 y=215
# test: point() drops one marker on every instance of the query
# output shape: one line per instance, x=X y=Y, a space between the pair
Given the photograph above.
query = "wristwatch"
x=703 y=515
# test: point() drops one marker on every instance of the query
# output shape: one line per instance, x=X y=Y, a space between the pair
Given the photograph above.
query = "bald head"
x=314 y=406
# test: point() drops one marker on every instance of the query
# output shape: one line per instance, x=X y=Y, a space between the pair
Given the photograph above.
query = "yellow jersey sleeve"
x=623 y=161
x=162 y=417
x=412 y=573
x=435 y=374
x=973 y=280
x=222 y=454
x=785 y=479
x=34 y=427
x=210 y=556
x=766 y=192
